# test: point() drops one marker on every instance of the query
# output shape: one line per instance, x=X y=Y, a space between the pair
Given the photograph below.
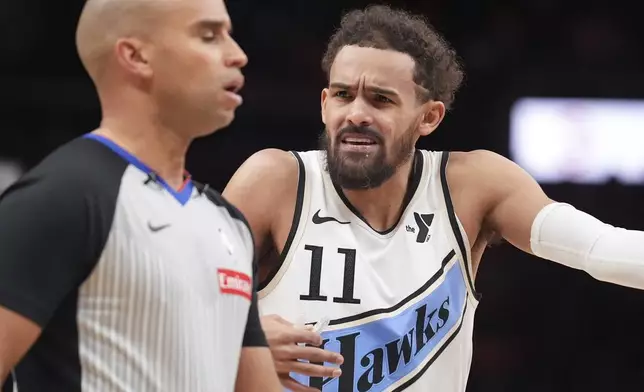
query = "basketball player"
x=385 y=239
x=117 y=273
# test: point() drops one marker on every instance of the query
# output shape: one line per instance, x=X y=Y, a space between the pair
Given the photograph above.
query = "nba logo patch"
x=235 y=283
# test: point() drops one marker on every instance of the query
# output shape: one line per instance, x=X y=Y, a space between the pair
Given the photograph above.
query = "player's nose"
x=359 y=114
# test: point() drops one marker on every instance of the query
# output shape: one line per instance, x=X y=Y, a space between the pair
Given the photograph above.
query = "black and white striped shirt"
x=137 y=287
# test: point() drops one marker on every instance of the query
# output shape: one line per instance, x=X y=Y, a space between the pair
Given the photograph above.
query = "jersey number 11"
x=316 y=273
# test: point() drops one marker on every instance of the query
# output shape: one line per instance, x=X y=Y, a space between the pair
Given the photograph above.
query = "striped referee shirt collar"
x=182 y=195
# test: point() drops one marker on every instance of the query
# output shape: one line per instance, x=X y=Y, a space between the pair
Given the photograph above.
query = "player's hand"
x=283 y=338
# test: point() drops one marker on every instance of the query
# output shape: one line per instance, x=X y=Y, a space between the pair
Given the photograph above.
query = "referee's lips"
x=232 y=90
x=235 y=85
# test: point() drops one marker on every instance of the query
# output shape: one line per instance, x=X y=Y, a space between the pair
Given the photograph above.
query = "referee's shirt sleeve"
x=254 y=335
x=50 y=240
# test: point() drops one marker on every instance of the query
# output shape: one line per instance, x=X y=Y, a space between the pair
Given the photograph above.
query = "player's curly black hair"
x=437 y=67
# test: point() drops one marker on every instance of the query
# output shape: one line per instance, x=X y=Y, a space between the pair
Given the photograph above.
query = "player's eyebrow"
x=373 y=89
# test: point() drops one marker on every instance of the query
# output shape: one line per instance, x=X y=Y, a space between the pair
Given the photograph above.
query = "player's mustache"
x=361 y=130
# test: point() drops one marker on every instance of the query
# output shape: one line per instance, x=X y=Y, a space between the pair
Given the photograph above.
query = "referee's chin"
x=222 y=120
x=228 y=117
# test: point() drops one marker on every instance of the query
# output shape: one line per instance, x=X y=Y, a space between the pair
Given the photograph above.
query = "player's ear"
x=434 y=112
x=323 y=97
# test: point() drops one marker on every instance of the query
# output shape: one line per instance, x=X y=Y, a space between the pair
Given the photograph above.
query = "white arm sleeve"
x=563 y=234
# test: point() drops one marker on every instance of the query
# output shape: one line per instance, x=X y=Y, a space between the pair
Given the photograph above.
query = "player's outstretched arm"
x=521 y=212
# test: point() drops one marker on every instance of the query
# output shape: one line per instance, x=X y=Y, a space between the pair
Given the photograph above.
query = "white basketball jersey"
x=401 y=302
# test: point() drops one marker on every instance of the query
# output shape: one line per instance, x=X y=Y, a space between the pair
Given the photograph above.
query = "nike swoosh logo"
x=155 y=228
x=317 y=219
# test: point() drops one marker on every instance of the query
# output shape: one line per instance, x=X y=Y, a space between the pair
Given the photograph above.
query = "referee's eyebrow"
x=215 y=25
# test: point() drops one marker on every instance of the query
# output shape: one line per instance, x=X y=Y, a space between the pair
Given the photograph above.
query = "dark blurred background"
x=539 y=327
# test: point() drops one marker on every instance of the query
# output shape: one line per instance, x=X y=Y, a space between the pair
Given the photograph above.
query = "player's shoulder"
x=273 y=161
x=265 y=187
x=474 y=157
x=476 y=162
x=268 y=169
x=483 y=170
x=75 y=169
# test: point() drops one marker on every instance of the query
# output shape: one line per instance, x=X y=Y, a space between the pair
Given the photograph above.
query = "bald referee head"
x=166 y=72
x=117 y=272
x=167 y=63
x=167 y=68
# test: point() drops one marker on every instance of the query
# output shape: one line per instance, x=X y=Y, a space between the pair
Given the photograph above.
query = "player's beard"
x=352 y=170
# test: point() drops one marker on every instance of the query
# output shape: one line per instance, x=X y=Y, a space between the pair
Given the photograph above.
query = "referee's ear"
x=133 y=57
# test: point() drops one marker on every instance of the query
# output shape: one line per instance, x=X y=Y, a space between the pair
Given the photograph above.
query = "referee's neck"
x=161 y=150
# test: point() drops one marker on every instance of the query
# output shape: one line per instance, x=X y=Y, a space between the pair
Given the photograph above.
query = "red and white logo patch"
x=236 y=283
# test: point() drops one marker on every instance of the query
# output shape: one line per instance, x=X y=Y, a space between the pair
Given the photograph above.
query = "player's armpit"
x=256 y=371
x=17 y=335
x=260 y=187
x=511 y=196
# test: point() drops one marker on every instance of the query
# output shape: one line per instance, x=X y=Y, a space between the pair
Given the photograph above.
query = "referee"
x=117 y=272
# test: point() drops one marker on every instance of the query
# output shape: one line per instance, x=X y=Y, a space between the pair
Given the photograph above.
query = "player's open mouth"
x=358 y=140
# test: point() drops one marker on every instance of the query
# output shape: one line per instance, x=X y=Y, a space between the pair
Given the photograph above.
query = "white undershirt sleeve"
x=563 y=234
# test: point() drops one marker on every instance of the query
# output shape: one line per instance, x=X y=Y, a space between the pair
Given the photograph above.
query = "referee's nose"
x=236 y=56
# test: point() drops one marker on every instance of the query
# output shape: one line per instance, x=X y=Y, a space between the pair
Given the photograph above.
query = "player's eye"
x=383 y=99
x=342 y=94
